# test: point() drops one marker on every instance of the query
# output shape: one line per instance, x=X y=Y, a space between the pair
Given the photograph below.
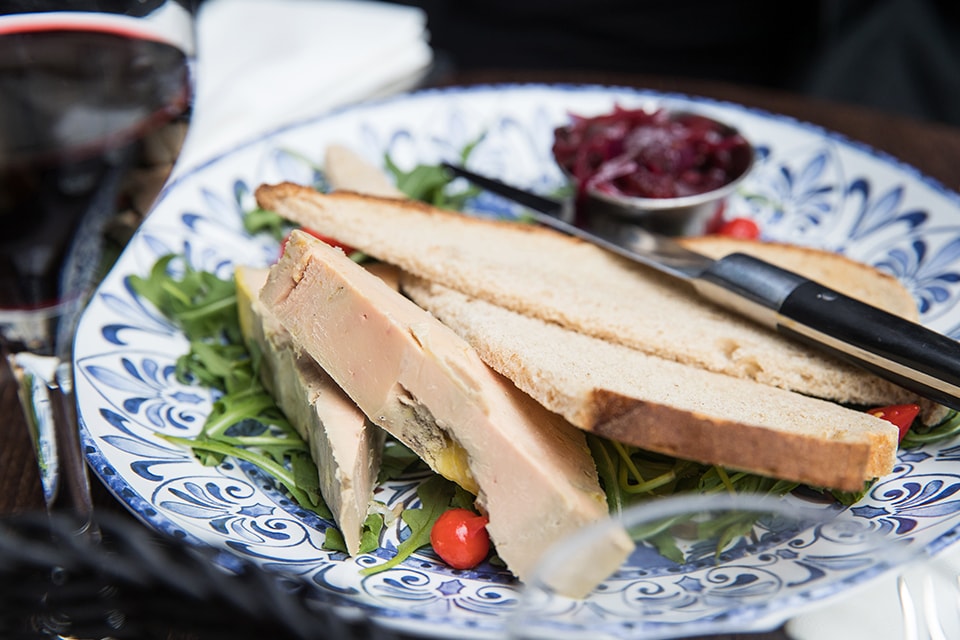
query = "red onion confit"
x=659 y=154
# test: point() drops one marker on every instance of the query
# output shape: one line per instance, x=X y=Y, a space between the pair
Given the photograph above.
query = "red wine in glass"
x=78 y=99
x=84 y=88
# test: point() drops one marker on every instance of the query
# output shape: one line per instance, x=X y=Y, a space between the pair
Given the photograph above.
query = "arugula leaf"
x=244 y=421
x=202 y=305
x=258 y=220
x=229 y=410
x=607 y=467
x=666 y=545
x=436 y=494
x=423 y=182
x=205 y=308
x=396 y=460
x=430 y=183
x=630 y=475
x=946 y=429
x=333 y=540
x=737 y=526
x=850 y=498
x=370 y=535
x=305 y=474
x=284 y=476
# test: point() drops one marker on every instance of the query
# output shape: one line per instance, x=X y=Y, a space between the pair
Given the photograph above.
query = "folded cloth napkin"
x=261 y=64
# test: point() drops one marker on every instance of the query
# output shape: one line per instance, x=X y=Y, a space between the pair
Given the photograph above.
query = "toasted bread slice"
x=540 y=273
x=347 y=171
x=665 y=406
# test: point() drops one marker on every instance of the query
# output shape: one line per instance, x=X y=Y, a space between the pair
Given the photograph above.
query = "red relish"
x=650 y=154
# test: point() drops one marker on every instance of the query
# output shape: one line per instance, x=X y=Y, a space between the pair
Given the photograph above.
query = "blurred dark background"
x=899 y=56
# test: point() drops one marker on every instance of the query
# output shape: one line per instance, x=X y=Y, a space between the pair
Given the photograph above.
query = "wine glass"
x=704 y=564
x=96 y=95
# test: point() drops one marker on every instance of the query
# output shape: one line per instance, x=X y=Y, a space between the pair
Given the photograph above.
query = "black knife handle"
x=899 y=350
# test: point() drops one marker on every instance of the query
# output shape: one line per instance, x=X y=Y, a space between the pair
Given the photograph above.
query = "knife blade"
x=904 y=352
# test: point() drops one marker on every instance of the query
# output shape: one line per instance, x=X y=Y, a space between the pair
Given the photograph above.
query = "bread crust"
x=701 y=438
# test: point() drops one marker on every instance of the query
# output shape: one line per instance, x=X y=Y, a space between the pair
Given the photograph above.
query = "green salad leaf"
x=397 y=459
x=202 y=305
x=919 y=435
x=431 y=183
x=244 y=422
x=369 y=536
x=436 y=495
x=258 y=220
x=630 y=475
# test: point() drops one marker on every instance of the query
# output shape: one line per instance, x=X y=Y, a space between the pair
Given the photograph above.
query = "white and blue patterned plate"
x=809 y=187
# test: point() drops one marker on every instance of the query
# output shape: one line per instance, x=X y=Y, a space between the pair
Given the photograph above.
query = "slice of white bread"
x=665 y=406
x=345 y=170
x=544 y=274
x=410 y=374
x=344 y=444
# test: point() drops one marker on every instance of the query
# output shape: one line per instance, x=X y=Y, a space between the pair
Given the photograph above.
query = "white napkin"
x=264 y=63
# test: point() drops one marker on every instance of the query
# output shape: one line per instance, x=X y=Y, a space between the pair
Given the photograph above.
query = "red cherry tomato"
x=333 y=242
x=459 y=536
x=902 y=415
x=744 y=228
x=347 y=249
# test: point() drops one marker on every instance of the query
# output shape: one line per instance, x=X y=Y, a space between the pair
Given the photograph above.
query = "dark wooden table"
x=933 y=149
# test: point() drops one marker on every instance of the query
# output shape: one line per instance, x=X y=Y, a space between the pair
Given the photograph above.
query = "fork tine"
x=911 y=624
x=76 y=479
x=47 y=397
x=930 y=613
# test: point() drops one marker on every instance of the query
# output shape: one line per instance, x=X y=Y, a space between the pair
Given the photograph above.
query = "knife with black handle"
x=904 y=352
